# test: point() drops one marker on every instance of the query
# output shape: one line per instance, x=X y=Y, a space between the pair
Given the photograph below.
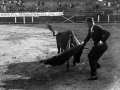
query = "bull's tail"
x=51 y=29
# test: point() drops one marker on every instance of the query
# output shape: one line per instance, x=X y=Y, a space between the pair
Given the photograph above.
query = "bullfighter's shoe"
x=93 y=78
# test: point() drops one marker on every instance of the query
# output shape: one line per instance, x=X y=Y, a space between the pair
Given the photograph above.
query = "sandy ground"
x=19 y=69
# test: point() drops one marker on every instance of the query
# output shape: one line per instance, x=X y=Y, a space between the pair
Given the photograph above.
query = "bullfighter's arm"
x=87 y=38
x=105 y=34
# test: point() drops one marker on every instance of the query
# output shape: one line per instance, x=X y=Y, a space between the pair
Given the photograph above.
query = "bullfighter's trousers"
x=94 y=55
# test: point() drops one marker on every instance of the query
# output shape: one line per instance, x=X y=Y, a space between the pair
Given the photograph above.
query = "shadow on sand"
x=52 y=78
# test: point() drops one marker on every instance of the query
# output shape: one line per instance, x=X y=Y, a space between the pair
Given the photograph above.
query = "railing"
x=53 y=17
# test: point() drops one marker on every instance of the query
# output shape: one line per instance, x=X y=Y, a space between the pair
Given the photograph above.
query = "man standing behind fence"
x=99 y=36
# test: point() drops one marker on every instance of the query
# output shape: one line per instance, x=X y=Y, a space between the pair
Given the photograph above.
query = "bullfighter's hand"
x=82 y=42
x=100 y=43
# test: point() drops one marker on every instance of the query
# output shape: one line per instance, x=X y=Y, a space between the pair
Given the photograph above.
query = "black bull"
x=65 y=56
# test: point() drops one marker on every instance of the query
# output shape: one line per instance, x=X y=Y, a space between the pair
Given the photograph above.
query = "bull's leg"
x=67 y=65
x=58 y=49
x=74 y=63
x=62 y=50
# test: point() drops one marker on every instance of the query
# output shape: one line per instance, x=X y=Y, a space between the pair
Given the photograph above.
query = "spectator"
x=4 y=9
x=59 y=3
x=71 y=5
x=43 y=3
x=65 y=6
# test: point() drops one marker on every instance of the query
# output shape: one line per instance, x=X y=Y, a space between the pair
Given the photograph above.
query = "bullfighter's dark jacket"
x=97 y=33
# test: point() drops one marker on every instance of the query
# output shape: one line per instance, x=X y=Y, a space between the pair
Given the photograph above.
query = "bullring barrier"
x=25 y=18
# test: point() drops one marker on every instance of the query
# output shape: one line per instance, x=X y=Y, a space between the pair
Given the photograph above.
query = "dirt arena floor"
x=20 y=70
